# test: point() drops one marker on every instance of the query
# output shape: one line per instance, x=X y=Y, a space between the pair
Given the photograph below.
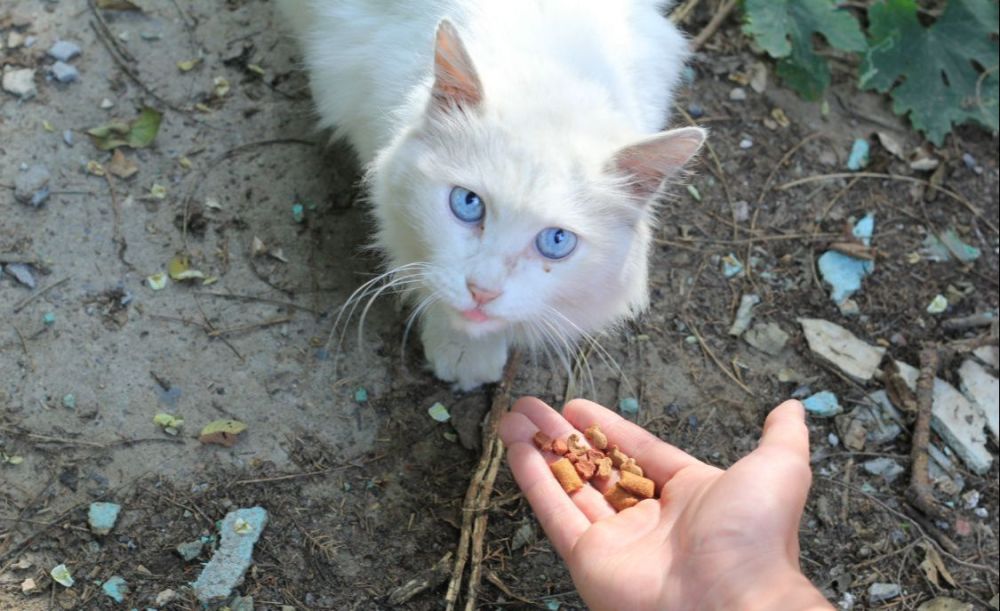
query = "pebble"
x=106 y=104
x=628 y=405
x=69 y=401
x=64 y=73
x=738 y=94
x=695 y=111
x=969 y=161
x=115 y=588
x=881 y=592
x=22 y=273
x=767 y=337
x=833 y=440
x=20 y=82
x=190 y=550
x=233 y=556
x=30 y=187
x=64 y=50
x=823 y=404
x=165 y=597
x=746 y=143
x=102 y=516
x=982 y=512
x=886 y=467
x=68 y=137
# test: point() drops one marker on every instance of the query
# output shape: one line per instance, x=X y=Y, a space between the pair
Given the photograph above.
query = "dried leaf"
x=138 y=133
x=933 y=566
x=222 y=432
x=118 y=5
x=121 y=166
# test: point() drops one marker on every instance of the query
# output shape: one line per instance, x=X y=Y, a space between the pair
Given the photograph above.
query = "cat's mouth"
x=475 y=315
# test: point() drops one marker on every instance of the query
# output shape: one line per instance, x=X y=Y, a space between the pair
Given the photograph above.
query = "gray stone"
x=988 y=355
x=767 y=337
x=842 y=348
x=30 y=183
x=22 y=273
x=20 y=82
x=738 y=94
x=886 y=467
x=68 y=137
x=64 y=50
x=960 y=423
x=239 y=532
x=744 y=314
x=190 y=550
x=64 y=73
x=881 y=592
x=983 y=390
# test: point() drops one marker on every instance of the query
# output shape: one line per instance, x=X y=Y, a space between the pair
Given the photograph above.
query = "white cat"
x=513 y=159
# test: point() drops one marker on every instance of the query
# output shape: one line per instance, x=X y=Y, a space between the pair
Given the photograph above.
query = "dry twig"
x=474 y=515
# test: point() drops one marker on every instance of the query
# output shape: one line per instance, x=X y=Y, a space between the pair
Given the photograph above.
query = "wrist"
x=783 y=588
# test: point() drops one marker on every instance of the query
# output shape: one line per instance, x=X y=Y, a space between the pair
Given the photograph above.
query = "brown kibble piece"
x=542 y=441
x=559 y=447
x=595 y=456
x=604 y=468
x=629 y=466
x=586 y=469
x=637 y=485
x=567 y=476
x=617 y=456
x=597 y=439
x=573 y=442
x=619 y=498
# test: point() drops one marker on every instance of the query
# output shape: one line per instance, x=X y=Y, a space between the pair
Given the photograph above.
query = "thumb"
x=785 y=431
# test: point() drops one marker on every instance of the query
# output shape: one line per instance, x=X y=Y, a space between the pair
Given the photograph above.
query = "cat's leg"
x=456 y=357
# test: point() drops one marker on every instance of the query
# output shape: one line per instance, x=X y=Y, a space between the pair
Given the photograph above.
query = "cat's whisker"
x=601 y=351
x=361 y=290
x=572 y=349
x=424 y=304
x=405 y=283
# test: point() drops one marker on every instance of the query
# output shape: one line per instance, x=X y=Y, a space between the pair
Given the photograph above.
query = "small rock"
x=115 y=588
x=823 y=404
x=524 y=535
x=106 y=104
x=989 y=355
x=746 y=143
x=858 y=158
x=969 y=161
x=102 y=516
x=22 y=273
x=738 y=94
x=881 y=592
x=61 y=575
x=28 y=586
x=67 y=136
x=843 y=272
x=937 y=305
x=731 y=266
x=758 y=77
x=744 y=314
x=886 y=467
x=984 y=391
x=767 y=337
x=960 y=423
x=30 y=183
x=64 y=50
x=242 y=603
x=842 y=348
x=20 y=82
x=165 y=597
x=981 y=512
x=833 y=440
x=628 y=405
x=190 y=550
x=64 y=73
x=741 y=211
x=695 y=111
x=971 y=499
x=233 y=557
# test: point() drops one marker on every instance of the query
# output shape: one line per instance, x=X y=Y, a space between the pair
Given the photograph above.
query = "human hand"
x=713 y=539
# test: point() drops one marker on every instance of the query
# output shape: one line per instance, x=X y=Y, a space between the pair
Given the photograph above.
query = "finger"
x=517 y=428
x=785 y=428
x=559 y=516
x=658 y=459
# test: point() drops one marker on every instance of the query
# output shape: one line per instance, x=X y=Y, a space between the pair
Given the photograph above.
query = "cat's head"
x=517 y=218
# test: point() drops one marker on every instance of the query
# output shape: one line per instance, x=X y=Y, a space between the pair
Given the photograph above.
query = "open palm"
x=713 y=539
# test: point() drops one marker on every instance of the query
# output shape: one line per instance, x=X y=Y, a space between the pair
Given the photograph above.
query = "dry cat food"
x=580 y=464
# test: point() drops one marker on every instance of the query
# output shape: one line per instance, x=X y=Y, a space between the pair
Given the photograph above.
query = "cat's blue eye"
x=555 y=243
x=466 y=205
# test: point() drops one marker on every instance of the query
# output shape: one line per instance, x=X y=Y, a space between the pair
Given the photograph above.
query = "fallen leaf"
x=179 y=268
x=158 y=191
x=188 y=65
x=95 y=168
x=222 y=432
x=121 y=166
x=118 y=5
x=933 y=566
x=138 y=133
x=221 y=87
x=157 y=282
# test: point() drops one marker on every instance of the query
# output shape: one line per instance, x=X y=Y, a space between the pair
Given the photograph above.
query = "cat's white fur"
x=549 y=110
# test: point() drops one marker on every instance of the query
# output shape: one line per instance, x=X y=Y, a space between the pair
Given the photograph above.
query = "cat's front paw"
x=467 y=362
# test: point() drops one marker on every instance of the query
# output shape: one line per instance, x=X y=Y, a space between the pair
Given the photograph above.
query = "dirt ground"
x=364 y=493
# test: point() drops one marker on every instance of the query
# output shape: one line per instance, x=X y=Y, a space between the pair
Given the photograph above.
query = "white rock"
x=988 y=355
x=64 y=73
x=956 y=420
x=738 y=94
x=20 y=82
x=165 y=597
x=63 y=50
x=841 y=348
x=106 y=103
x=881 y=592
x=984 y=391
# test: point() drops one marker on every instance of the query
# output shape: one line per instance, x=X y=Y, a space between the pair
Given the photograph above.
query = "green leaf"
x=139 y=133
x=785 y=28
x=939 y=76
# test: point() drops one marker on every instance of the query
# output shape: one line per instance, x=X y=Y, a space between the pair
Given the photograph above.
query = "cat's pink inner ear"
x=649 y=162
x=456 y=83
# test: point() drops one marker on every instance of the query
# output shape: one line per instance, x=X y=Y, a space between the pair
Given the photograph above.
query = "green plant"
x=938 y=76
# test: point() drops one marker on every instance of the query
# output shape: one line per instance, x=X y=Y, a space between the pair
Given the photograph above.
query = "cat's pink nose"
x=480 y=295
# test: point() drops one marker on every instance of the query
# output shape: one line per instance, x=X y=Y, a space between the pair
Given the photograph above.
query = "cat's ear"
x=456 y=83
x=649 y=162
